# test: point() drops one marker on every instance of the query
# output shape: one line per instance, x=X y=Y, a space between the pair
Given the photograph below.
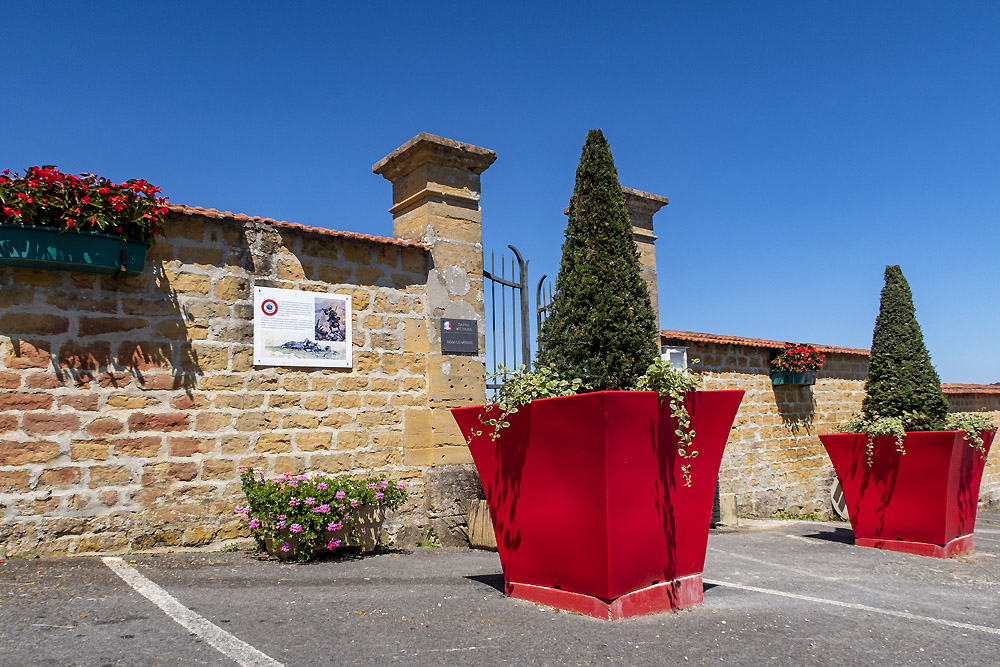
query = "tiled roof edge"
x=695 y=337
x=282 y=224
x=971 y=388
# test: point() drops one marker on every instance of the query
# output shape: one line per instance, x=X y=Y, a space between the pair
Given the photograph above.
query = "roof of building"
x=695 y=337
x=971 y=388
x=281 y=224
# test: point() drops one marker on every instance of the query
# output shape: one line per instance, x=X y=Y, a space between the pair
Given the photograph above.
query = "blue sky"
x=803 y=146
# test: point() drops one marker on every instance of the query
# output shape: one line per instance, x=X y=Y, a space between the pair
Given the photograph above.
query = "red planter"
x=588 y=502
x=922 y=502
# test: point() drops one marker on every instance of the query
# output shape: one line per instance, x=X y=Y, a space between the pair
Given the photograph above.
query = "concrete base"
x=957 y=547
x=728 y=511
x=683 y=592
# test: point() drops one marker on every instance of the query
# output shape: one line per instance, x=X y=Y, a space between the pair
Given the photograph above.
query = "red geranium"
x=798 y=358
x=46 y=197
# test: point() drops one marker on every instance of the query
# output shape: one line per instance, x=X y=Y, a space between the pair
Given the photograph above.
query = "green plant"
x=874 y=427
x=231 y=547
x=306 y=507
x=520 y=387
x=672 y=383
x=901 y=380
x=430 y=540
x=600 y=325
x=973 y=424
x=46 y=197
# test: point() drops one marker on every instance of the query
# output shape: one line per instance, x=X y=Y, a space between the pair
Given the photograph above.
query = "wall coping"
x=971 y=388
x=431 y=148
x=292 y=226
x=695 y=337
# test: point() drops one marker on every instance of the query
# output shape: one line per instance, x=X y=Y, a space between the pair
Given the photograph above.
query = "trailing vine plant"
x=973 y=424
x=520 y=387
x=671 y=383
x=873 y=427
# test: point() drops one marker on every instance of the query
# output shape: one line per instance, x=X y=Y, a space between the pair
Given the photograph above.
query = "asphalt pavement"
x=776 y=593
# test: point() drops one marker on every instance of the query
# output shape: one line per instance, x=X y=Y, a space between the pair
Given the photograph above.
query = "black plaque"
x=459 y=336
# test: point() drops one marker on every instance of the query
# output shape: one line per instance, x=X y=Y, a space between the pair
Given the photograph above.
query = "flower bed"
x=294 y=516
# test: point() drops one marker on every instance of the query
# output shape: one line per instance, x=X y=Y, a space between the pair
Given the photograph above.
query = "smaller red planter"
x=921 y=502
x=588 y=502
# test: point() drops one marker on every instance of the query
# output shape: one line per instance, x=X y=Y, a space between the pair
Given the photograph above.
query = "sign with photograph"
x=459 y=336
x=296 y=328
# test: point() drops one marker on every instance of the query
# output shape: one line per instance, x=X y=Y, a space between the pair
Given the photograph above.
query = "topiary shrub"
x=901 y=380
x=600 y=325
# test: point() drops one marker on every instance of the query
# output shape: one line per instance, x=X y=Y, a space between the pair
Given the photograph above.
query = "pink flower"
x=384 y=484
x=285 y=547
x=280 y=525
x=400 y=485
x=379 y=495
x=340 y=495
x=292 y=483
x=302 y=478
x=354 y=503
x=322 y=486
x=333 y=544
x=255 y=523
x=310 y=501
x=243 y=468
x=294 y=502
x=321 y=509
x=295 y=528
x=336 y=525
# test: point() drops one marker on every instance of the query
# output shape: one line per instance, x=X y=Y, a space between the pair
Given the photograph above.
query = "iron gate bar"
x=522 y=287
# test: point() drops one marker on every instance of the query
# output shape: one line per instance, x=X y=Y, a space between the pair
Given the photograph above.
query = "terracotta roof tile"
x=971 y=388
x=694 y=337
x=241 y=217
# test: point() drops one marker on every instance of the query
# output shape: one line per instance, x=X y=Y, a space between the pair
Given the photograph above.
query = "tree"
x=600 y=325
x=901 y=380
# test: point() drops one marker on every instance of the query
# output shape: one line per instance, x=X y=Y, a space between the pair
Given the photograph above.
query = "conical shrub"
x=600 y=325
x=901 y=380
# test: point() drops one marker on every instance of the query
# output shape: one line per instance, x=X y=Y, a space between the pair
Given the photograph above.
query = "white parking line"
x=222 y=641
x=858 y=606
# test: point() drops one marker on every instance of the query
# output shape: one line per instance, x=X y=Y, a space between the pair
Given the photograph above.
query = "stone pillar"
x=641 y=208
x=435 y=200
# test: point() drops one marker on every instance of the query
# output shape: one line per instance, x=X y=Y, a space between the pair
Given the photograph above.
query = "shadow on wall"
x=796 y=406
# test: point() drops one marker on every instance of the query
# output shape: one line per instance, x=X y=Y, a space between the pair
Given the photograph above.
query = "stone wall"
x=774 y=460
x=985 y=399
x=128 y=404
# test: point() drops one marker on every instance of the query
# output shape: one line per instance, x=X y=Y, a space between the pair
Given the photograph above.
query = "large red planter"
x=588 y=502
x=921 y=502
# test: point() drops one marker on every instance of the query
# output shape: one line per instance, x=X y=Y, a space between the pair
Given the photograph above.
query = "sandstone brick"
x=437 y=456
x=60 y=477
x=160 y=381
x=176 y=421
x=334 y=275
x=315 y=402
x=221 y=382
x=40 y=423
x=95 y=450
x=373 y=322
x=26 y=323
x=10 y=380
x=181 y=330
x=145 y=355
x=331 y=463
x=184 y=471
x=368 y=275
x=32 y=507
x=415 y=338
x=138 y=447
x=25 y=401
x=131 y=402
x=232 y=288
x=360 y=297
x=14 y=481
x=189 y=283
x=352 y=439
x=49 y=380
x=417 y=429
x=8 y=423
x=301 y=421
x=105 y=426
x=218 y=469
x=190 y=402
x=376 y=400
x=378 y=418
x=415 y=260
x=109 y=475
x=81 y=402
x=99 y=326
x=153 y=473
x=16 y=296
x=345 y=401
x=210 y=422
x=257 y=421
x=292 y=464
x=379 y=459
x=109 y=380
x=22 y=354
x=388 y=439
x=274 y=442
x=242 y=359
x=239 y=401
x=108 y=497
x=284 y=400
x=289 y=268
x=189 y=446
x=352 y=384
x=235 y=444
x=295 y=383
x=313 y=441
x=365 y=362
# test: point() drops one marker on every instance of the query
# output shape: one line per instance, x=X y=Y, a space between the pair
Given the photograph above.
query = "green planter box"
x=89 y=252
x=792 y=378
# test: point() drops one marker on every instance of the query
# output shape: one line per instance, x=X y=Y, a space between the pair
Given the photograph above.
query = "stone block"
x=481 y=534
x=436 y=456
x=47 y=424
